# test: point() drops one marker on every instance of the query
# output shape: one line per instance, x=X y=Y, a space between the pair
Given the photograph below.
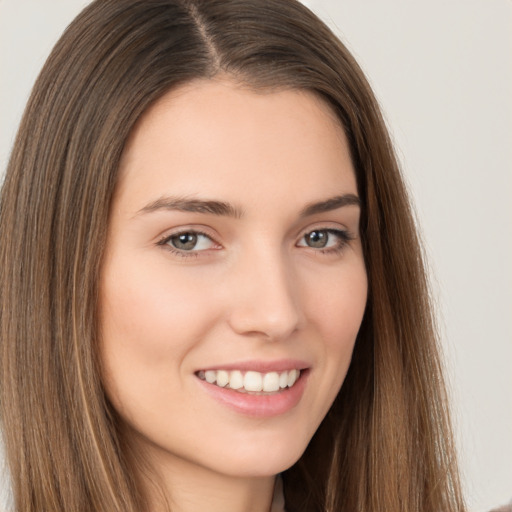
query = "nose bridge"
x=266 y=302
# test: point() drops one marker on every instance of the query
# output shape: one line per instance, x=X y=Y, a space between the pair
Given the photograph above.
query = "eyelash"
x=344 y=237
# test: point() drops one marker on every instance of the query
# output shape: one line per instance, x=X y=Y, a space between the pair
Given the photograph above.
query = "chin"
x=269 y=460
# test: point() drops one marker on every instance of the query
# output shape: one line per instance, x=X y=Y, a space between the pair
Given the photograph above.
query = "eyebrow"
x=330 y=204
x=222 y=208
x=184 y=204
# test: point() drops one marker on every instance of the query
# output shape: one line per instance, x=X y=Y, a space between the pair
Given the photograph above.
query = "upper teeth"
x=251 y=381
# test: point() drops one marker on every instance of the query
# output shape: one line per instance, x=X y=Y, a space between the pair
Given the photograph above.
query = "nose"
x=266 y=299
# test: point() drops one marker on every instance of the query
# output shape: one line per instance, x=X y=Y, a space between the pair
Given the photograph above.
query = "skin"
x=252 y=289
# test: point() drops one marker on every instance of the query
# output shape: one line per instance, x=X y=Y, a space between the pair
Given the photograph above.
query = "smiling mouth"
x=250 y=381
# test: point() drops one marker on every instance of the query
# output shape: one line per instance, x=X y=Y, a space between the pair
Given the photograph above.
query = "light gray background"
x=442 y=71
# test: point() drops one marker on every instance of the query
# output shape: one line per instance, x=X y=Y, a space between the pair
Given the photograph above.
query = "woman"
x=210 y=275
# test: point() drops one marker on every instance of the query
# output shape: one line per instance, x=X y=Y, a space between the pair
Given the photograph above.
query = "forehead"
x=219 y=138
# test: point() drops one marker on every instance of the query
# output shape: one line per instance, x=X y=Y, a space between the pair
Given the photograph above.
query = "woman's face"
x=233 y=283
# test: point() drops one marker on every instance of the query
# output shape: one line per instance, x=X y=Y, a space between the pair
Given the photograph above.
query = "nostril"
x=268 y=325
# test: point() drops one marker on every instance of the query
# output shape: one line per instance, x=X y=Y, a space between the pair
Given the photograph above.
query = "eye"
x=327 y=239
x=188 y=241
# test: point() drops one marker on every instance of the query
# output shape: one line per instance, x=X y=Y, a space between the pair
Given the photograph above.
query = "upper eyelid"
x=325 y=226
x=200 y=230
x=328 y=229
x=346 y=234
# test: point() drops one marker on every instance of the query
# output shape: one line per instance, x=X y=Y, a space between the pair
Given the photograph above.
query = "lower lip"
x=261 y=406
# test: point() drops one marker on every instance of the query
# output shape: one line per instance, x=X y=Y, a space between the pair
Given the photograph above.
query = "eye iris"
x=184 y=241
x=317 y=239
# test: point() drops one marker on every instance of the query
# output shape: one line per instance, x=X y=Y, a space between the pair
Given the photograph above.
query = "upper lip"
x=278 y=365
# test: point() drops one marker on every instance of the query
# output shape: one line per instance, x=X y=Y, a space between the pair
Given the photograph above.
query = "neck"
x=186 y=487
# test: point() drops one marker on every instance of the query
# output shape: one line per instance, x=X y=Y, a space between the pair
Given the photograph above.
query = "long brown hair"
x=385 y=444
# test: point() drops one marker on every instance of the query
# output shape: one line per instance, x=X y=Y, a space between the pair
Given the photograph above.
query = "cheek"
x=149 y=322
x=150 y=311
x=336 y=310
x=336 y=304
